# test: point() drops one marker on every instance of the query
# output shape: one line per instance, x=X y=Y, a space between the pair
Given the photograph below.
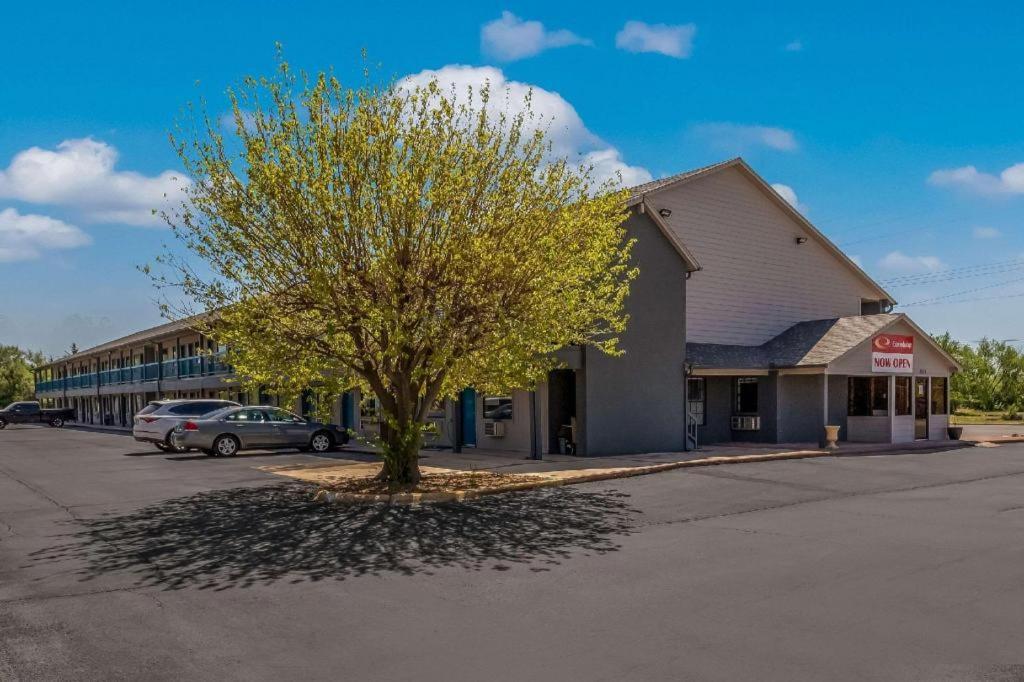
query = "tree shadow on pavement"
x=245 y=536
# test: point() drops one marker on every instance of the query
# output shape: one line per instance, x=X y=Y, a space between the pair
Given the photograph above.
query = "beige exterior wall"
x=756 y=281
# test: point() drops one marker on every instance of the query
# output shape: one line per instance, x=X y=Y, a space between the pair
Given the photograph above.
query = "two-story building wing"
x=780 y=324
x=746 y=324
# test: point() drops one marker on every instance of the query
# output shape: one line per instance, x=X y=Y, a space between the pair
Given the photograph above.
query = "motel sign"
x=892 y=354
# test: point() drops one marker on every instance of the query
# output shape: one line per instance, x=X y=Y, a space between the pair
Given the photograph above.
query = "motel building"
x=746 y=325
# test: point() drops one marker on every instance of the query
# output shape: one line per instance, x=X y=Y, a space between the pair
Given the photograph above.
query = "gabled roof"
x=641 y=193
x=637 y=193
x=177 y=326
x=815 y=343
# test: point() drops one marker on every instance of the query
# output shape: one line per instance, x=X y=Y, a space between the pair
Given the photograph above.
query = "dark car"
x=224 y=433
x=29 y=412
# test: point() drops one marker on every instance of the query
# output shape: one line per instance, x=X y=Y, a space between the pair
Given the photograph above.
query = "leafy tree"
x=407 y=240
x=991 y=376
x=16 y=380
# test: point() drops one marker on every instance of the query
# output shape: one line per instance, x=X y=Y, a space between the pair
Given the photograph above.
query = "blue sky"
x=873 y=116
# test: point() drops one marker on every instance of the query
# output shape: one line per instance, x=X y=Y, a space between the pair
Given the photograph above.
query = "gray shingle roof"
x=635 y=193
x=814 y=343
x=184 y=325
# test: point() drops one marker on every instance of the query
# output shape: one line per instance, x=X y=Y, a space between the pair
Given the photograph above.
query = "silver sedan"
x=225 y=432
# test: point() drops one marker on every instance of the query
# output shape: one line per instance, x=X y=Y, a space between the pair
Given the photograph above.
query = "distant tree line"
x=16 y=380
x=992 y=375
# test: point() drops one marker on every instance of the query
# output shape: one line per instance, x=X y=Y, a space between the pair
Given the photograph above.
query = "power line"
x=966 y=300
x=936 y=299
x=966 y=272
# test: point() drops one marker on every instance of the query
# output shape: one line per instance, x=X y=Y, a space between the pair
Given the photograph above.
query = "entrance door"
x=468 y=400
x=920 y=409
x=561 y=410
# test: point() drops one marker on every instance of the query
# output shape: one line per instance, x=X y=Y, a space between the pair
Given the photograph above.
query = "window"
x=939 y=390
x=868 y=397
x=278 y=415
x=904 y=396
x=196 y=409
x=369 y=408
x=746 y=395
x=697 y=399
x=247 y=416
x=498 y=407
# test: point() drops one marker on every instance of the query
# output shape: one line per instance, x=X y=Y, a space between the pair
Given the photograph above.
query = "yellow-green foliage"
x=411 y=241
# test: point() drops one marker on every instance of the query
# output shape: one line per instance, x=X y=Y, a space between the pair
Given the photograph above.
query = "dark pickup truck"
x=29 y=412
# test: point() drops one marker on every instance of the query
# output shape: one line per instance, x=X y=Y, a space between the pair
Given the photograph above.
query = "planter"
x=954 y=432
x=831 y=437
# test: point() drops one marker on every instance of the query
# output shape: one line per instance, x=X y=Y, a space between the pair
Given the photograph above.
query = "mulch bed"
x=429 y=483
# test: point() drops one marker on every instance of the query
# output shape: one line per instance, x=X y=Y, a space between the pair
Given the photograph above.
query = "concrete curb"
x=996 y=441
x=330 y=497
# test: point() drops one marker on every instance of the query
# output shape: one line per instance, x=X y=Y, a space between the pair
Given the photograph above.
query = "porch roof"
x=815 y=343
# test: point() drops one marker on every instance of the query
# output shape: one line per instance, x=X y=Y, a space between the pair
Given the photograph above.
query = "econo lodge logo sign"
x=892 y=353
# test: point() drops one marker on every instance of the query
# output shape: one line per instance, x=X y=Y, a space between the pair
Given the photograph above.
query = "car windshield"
x=10 y=406
x=152 y=407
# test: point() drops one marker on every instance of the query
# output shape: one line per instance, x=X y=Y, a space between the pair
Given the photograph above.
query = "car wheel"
x=321 y=442
x=56 y=422
x=162 y=447
x=3 y=424
x=225 y=446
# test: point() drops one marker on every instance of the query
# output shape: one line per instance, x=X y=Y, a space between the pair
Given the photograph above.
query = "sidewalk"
x=524 y=473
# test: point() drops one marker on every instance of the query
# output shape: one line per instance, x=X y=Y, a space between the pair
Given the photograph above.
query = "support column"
x=891 y=392
x=534 y=449
x=824 y=408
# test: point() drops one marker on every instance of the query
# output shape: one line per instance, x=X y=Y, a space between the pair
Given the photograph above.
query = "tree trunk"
x=401 y=441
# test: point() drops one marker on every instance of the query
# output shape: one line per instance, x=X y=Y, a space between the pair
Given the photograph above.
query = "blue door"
x=468 y=401
x=346 y=411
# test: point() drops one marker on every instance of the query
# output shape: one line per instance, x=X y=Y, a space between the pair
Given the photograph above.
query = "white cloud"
x=80 y=175
x=789 y=194
x=969 y=178
x=673 y=41
x=897 y=261
x=794 y=46
x=569 y=137
x=739 y=137
x=26 y=236
x=986 y=233
x=510 y=38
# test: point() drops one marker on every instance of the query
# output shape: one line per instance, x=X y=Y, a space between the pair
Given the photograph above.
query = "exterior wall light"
x=801 y=240
x=664 y=212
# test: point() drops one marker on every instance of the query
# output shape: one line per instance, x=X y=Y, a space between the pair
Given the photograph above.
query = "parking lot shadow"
x=244 y=536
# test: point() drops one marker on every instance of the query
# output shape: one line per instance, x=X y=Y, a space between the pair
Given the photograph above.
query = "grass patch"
x=966 y=416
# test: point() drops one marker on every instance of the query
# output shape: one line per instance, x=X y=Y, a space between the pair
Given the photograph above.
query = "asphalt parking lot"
x=121 y=562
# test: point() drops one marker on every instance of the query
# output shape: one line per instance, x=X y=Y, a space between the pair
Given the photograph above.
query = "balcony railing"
x=181 y=368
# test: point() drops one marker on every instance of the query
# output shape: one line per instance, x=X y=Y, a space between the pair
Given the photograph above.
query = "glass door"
x=920 y=408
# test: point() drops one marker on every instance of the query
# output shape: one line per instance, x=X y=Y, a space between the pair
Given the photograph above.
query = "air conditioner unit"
x=745 y=424
x=494 y=429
